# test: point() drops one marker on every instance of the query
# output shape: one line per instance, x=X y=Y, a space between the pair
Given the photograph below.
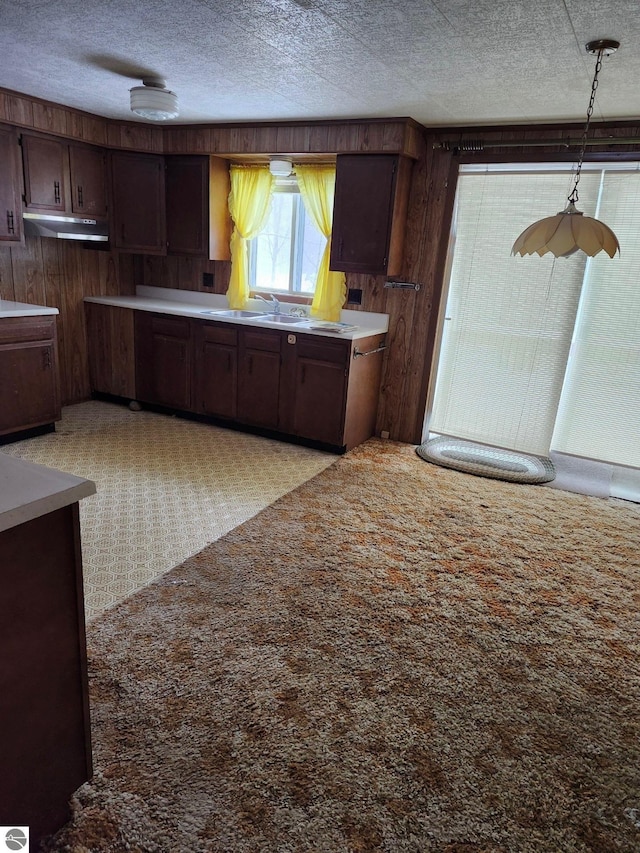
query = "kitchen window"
x=285 y=256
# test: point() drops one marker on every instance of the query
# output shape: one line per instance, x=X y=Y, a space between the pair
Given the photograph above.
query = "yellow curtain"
x=249 y=203
x=317 y=186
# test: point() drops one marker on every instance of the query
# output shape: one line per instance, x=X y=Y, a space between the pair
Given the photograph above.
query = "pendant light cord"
x=573 y=198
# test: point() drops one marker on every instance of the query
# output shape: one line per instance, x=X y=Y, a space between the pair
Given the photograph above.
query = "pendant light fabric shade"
x=570 y=230
x=565 y=233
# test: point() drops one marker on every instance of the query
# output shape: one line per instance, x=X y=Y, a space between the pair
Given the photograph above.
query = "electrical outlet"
x=384 y=433
x=207 y=279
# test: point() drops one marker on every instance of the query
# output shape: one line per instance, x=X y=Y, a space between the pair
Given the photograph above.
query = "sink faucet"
x=275 y=303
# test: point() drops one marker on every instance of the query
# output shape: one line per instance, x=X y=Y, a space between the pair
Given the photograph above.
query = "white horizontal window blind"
x=599 y=415
x=509 y=320
x=543 y=354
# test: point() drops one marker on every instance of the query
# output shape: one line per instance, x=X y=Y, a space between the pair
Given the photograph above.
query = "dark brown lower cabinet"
x=318 y=392
x=311 y=387
x=164 y=357
x=44 y=705
x=259 y=377
x=110 y=342
x=216 y=370
x=29 y=383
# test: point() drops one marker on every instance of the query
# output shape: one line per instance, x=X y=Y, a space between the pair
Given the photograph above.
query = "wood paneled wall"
x=59 y=274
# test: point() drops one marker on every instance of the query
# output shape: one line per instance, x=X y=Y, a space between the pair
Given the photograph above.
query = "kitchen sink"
x=233 y=312
x=283 y=318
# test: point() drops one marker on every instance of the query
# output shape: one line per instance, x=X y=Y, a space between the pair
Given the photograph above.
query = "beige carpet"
x=393 y=657
x=166 y=488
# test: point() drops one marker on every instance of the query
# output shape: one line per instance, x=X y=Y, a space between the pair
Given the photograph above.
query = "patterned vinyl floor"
x=166 y=487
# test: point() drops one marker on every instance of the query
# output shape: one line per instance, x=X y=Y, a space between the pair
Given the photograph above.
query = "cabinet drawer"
x=175 y=327
x=18 y=329
x=263 y=340
x=319 y=349
x=220 y=334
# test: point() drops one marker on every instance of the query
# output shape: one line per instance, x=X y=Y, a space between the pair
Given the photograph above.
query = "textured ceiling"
x=442 y=62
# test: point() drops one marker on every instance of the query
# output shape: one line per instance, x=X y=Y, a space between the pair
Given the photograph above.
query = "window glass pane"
x=271 y=250
x=311 y=246
x=286 y=255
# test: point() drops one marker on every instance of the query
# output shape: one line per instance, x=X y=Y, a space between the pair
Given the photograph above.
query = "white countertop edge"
x=24 y=309
x=368 y=323
x=29 y=490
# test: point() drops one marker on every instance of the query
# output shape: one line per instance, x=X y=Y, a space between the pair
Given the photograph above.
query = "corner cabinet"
x=370 y=213
x=10 y=188
x=138 y=205
x=29 y=384
x=164 y=359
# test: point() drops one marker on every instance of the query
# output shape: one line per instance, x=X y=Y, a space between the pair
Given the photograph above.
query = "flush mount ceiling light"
x=153 y=101
x=570 y=230
x=280 y=168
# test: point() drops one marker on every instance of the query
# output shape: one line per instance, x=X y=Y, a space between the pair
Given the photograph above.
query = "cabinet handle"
x=46 y=359
x=10 y=224
x=56 y=192
x=80 y=199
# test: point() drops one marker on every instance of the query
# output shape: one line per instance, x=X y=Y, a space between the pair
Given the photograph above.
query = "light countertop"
x=24 y=309
x=189 y=303
x=28 y=490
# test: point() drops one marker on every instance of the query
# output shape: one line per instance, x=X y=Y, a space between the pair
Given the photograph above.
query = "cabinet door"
x=216 y=370
x=187 y=201
x=138 y=203
x=320 y=390
x=369 y=213
x=88 y=184
x=44 y=173
x=110 y=349
x=259 y=378
x=163 y=360
x=10 y=217
x=29 y=394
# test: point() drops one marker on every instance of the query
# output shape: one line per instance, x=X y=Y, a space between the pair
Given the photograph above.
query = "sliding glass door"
x=542 y=353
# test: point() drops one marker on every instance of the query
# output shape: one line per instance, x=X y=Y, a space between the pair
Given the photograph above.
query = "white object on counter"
x=28 y=490
x=24 y=309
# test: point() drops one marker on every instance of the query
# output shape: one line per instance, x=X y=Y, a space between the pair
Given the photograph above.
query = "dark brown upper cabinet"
x=370 y=212
x=45 y=174
x=10 y=188
x=87 y=169
x=198 y=221
x=187 y=190
x=138 y=203
x=61 y=178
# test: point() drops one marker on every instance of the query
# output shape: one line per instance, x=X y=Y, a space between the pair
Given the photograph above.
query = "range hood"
x=65 y=227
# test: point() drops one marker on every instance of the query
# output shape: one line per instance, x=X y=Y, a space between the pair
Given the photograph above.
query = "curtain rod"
x=481 y=145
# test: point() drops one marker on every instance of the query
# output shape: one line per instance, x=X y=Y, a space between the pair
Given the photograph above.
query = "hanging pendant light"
x=570 y=230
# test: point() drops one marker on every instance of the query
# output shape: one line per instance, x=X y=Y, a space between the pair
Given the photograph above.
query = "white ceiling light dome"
x=281 y=168
x=153 y=101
